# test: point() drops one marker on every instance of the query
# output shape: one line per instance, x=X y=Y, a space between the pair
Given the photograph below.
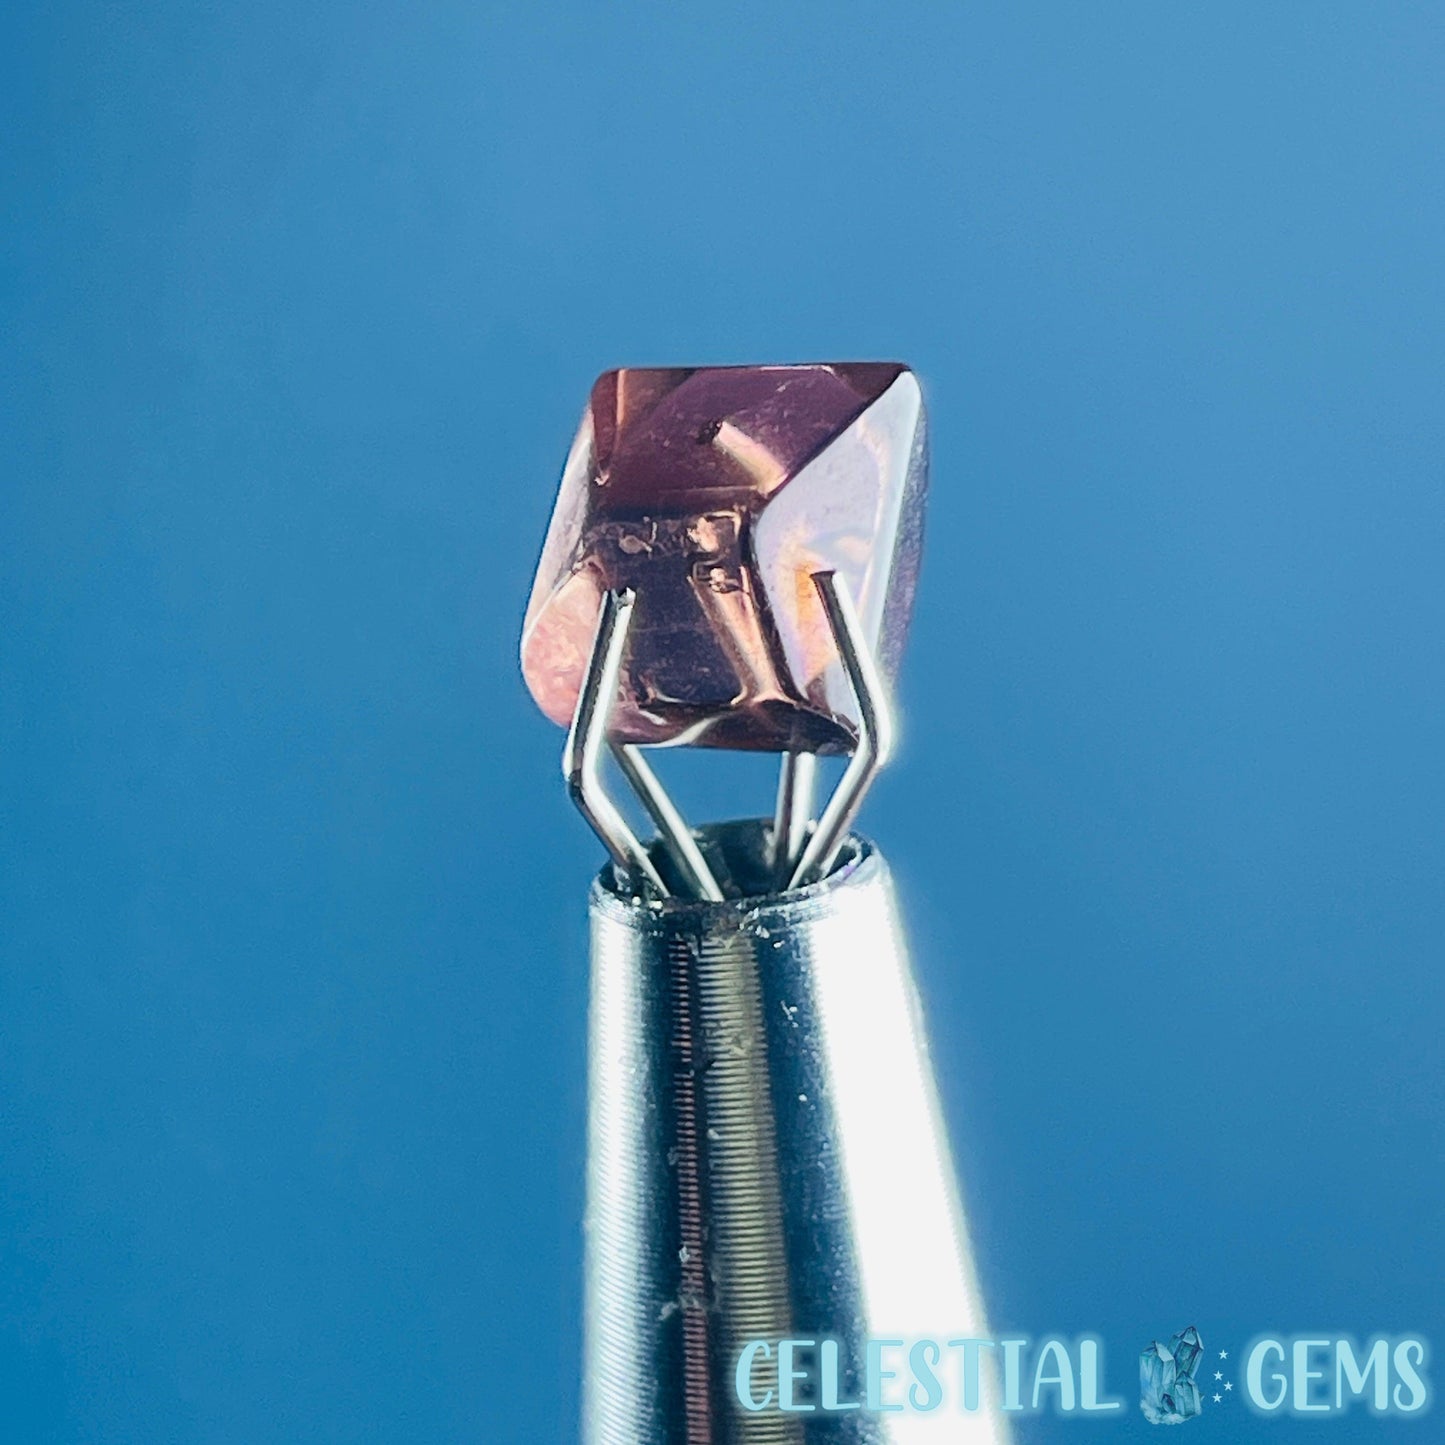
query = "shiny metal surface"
x=587 y=743
x=766 y=1155
x=875 y=734
x=672 y=830
x=793 y=812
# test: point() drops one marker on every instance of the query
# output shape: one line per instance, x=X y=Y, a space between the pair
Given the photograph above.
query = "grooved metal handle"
x=766 y=1158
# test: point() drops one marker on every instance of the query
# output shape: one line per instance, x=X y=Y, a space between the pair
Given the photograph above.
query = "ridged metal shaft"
x=767 y=1157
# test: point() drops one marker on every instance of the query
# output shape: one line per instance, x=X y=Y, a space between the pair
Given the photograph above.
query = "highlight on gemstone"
x=1168 y=1394
x=716 y=494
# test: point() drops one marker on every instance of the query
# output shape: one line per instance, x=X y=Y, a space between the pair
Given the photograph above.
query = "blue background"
x=301 y=306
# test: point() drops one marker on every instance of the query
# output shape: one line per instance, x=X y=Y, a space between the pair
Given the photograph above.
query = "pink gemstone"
x=716 y=494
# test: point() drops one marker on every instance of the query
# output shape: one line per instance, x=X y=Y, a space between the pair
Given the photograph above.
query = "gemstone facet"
x=1168 y=1394
x=715 y=494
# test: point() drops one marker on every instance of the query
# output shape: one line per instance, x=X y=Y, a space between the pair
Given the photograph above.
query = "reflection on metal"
x=766 y=1155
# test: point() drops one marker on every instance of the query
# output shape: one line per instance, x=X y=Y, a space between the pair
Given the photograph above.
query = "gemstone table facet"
x=715 y=494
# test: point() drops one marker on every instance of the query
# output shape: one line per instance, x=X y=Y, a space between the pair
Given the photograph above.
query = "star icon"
x=1219 y=1374
x=1229 y=1384
x=1218 y=1398
x=1224 y=1354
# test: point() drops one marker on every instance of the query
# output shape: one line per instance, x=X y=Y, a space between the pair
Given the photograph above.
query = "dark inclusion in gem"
x=716 y=494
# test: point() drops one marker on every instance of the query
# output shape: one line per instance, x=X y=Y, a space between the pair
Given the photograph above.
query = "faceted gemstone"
x=1168 y=1394
x=716 y=494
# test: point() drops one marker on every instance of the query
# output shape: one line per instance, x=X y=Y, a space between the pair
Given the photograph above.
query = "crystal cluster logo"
x=1168 y=1391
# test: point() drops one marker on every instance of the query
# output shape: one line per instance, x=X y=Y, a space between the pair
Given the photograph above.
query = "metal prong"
x=676 y=836
x=793 y=812
x=587 y=743
x=875 y=733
